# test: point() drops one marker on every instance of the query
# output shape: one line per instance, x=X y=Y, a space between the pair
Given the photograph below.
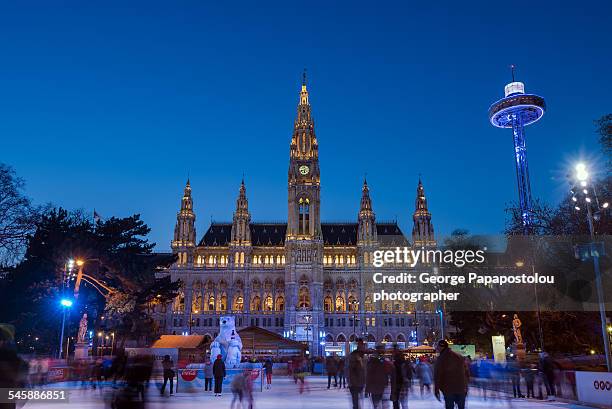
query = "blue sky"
x=111 y=106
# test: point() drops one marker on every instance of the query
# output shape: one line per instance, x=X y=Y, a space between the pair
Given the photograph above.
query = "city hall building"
x=305 y=279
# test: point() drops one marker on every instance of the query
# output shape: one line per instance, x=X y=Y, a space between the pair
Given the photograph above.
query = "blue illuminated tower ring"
x=517 y=110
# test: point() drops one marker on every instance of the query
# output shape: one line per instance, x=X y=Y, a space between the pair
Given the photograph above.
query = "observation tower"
x=517 y=110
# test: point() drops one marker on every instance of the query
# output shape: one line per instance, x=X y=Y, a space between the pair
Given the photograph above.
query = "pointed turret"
x=184 y=231
x=241 y=232
x=366 y=231
x=304 y=142
x=423 y=230
x=304 y=177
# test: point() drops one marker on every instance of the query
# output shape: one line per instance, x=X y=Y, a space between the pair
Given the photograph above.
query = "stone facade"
x=305 y=279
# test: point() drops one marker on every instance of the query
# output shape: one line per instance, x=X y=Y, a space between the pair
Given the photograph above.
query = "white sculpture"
x=215 y=350
x=234 y=353
x=228 y=343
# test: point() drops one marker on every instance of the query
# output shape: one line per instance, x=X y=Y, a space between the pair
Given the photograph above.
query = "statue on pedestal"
x=516 y=327
x=82 y=330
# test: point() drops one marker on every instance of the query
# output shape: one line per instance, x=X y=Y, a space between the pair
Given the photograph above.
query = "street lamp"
x=307 y=318
x=582 y=176
x=65 y=303
x=355 y=308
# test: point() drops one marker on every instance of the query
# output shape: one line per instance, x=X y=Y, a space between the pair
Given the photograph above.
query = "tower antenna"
x=304 y=77
x=512 y=67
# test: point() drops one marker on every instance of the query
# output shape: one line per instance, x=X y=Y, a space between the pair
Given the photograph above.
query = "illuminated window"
x=328 y=304
x=340 y=304
x=280 y=303
x=211 y=303
x=239 y=303
x=304 y=297
x=268 y=305
x=304 y=216
x=256 y=303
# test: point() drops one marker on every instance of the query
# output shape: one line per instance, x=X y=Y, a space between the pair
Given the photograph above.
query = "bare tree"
x=17 y=216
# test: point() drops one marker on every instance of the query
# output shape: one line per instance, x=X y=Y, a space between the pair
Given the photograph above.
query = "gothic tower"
x=366 y=229
x=184 y=231
x=240 y=244
x=304 y=242
x=423 y=230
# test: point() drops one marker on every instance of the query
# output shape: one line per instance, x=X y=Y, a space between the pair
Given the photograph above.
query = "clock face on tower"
x=304 y=170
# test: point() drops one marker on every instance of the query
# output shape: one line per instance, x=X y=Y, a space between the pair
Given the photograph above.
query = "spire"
x=421 y=200
x=366 y=202
x=366 y=229
x=422 y=230
x=304 y=91
x=241 y=231
x=184 y=230
x=304 y=142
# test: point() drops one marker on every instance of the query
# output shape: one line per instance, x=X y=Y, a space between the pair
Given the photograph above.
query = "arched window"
x=211 y=303
x=369 y=307
x=179 y=302
x=280 y=303
x=353 y=304
x=223 y=303
x=268 y=304
x=256 y=303
x=340 y=303
x=239 y=303
x=304 y=297
x=328 y=304
x=304 y=216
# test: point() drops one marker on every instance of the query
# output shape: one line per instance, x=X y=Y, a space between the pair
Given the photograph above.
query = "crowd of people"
x=385 y=378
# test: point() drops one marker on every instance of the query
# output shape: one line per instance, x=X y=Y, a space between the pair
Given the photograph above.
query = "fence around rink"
x=192 y=379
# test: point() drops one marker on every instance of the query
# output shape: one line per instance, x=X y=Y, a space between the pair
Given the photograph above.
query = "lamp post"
x=355 y=309
x=65 y=303
x=191 y=311
x=582 y=190
x=307 y=318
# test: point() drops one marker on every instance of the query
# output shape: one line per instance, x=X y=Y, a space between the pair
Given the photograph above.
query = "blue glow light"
x=66 y=303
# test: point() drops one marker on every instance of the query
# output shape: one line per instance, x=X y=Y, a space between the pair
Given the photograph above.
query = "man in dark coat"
x=399 y=385
x=377 y=376
x=356 y=372
x=331 y=366
x=218 y=374
x=451 y=376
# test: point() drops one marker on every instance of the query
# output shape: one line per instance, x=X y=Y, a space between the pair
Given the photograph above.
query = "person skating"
x=425 y=374
x=341 y=373
x=356 y=372
x=168 y=367
x=377 y=377
x=268 y=368
x=237 y=386
x=208 y=375
x=399 y=383
x=219 y=373
x=331 y=366
x=451 y=376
